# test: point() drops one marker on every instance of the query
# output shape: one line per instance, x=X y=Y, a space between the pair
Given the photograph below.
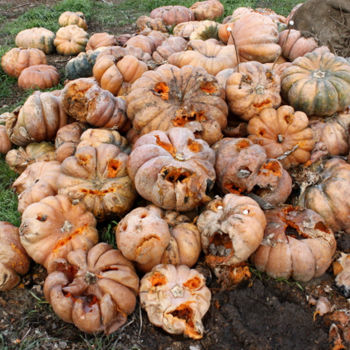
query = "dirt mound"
x=328 y=21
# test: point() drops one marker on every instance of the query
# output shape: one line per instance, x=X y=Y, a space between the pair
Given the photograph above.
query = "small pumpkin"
x=70 y=40
x=149 y=236
x=317 y=84
x=94 y=289
x=53 y=227
x=280 y=131
x=68 y=17
x=172 y=15
x=40 y=76
x=5 y=143
x=175 y=298
x=297 y=243
x=172 y=169
x=100 y=40
x=37 y=38
x=169 y=46
x=209 y=9
x=14 y=260
x=17 y=59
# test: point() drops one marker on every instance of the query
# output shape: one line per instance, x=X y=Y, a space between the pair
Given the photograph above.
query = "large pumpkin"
x=172 y=97
x=99 y=40
x=317 y=84
x=173 y=170
x=53 y=227
x=17 y=59
x=70 y=40
x=171 y=15
x=67 y=18
x=94 y=289
x=38 y=38
x=40 y=76
x=209 y=9
x=97 y=176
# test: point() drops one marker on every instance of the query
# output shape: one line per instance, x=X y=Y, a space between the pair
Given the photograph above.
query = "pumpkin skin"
x=17 y=59
x=37 y=38
x=206 y=54
x=175 y=298
x=19 y=159
x=70 y=40
x=120 y=52
x=5 y=143
x=172 y=97
x=317 y=84
x=145 y=22
x=97 y=176
x=86 y=102
x=209 y=9
x=100 y=40
x=173 y=170
x=95 y=290
x=252 y=88
x=53 y=227
x=330 y=196
x=280 y=131
x=294 y=44
x=14 y=260
x=149 y=236
x=304 y=253
x=38 y=181
x=231 y=229
x=205 y=30
x=242 y=166
x=40 y=76
x=172 y=15
x=37 y=120
x=341 y=270
x=67 y=18
x=185 y=29
x=169 y=46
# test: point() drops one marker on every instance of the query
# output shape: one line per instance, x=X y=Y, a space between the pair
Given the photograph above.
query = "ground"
x=263 y=313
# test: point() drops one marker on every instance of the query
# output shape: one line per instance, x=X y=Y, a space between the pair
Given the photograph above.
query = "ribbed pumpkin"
x=252 y=88
x=68 y=17
x=168 y=47
x=205 y=30
x=170 y=96
x=185 y=29
x=280 y=131
x=5 y=143
x=100 y=40
x=70 y=40
x=209 y=9
x=171 y=15
x=38 y=38
x=40 y=76
x=317 y=84
x=206 y=54
x=145 y=22
x=37 y=120
x=17 y=59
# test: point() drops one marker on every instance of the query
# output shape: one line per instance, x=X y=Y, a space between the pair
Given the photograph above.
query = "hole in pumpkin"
x=182 y=117
x=184 y=312
x=143 y=215
x=41 y=218
x=220 y=248
x=242 y=144
x=113 y=168
x=97 y=192
x=322 y=227
x=262 y=104
x=271 y=167
x=158 y=279
x=208 y=87
x=162 y=90
x=232 y=188
x=124 y=226
x=167 y=146
x=288 y=118
x=175 y=174
x=262 y=132
x=63 y=241
x=194 y=146
x=83 y=159
x=243 y=172
x=193 y=283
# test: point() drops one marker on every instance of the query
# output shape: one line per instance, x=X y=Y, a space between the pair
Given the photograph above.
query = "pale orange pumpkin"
x=5 y=143
x=145 y=22
x=99 y=40
x=209 y=9
x=67 y=18
x=40 y=76
x=169 y=46
x=70 y=40
x=38 y=38
x=171 y=15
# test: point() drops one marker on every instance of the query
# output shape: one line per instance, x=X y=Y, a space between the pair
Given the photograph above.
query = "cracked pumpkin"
x=170 y=96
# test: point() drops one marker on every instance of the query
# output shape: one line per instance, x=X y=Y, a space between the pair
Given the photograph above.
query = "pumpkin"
x=143 y=42
x=145 y=22
x=37 y=38
x=67 y=139
x=17 y=59
x=242 y=166
x=256 y=38
x=294 y=44
x=67 y=18
x=317 y=84
x=329 y=196
x=252 y=88
x=175 y=298
x=120 y=52
x=156 y=36
x=38 y=180
x=70 y=40
x=37 y=120
x=94 y=289
x=100 y=40
x=13 y=258
x=149 y=236
x=40 y=76
x=209 y=9
x=19 y=159
x=205 y=30
x=172 y=97
x=206 y=54
x=222 y=77
x=231 y=229
x=172 y=15
x=283 y=133
x=185 y=29
x=297 y=243
x=5 y=143
x=341 y=270
x=169 y=46
x=97 y=176
x=53 y=227
x=172 y=169
x=86 y=102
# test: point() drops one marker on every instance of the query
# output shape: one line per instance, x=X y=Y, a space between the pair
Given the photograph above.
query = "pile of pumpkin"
x=196 y=128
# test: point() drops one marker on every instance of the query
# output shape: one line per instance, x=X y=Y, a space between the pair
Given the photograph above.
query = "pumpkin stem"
x=236 y=48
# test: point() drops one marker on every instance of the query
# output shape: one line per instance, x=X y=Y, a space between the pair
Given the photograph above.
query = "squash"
x=169 y=46
x=100 y=40
x=5 y=143
x=37 y=38
x=70 y=40
x=172 y=15
x=68 y=17
x=209 y=9
x=40 y=76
